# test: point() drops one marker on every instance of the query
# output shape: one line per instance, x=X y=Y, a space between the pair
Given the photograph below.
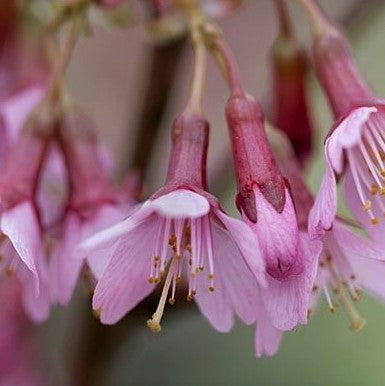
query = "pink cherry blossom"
x=266 y=206
x=93 y=205
x=181 y=233
x=355 y=146
x=19 y=223
x=348 y=263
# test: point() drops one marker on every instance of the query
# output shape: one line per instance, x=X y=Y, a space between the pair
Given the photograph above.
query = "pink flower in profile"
x=21 y=243
x=266 y=205
x=181 y=233
x=93 y=205
x=348 y=263
x=355 y=146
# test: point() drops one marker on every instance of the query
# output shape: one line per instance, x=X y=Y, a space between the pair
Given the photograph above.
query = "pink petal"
x=16 y=109
x=287 y=301
x=65 y=270
x=21 y=226
x=181 y=204
x=105 y=217
x=346 y=135
x=277 y=234
x=324 y=210
x=370 y=274
x=125 y=280
x=247 y=244
x=109 y=236
x=36 y=306
x=351 y=243
x=267 y=338
x=235 y=285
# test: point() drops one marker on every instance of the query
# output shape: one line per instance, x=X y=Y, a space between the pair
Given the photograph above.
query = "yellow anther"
x=367 y=205
x=383 y=173
x=357 y=325
x=374 y=189
x=153 y=325
x=382 y=191
x=172 y=240
x=10 y=271
x=375 y=220
x=211 y=276
x=151 y=280
x=171 y=301
x=189 y=298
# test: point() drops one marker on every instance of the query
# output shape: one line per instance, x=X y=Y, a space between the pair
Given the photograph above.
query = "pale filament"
x=356 y=321
x=367 y=165
x=180 y=240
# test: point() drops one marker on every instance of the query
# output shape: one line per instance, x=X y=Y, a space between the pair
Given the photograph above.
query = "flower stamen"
x=154 y=322
x=356 y=321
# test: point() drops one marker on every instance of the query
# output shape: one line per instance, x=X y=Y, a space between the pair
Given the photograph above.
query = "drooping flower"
x=348 y=263
x=21 y=244
x=93 y=205
x=355 y=145
x=265 y=203
x=181 y=233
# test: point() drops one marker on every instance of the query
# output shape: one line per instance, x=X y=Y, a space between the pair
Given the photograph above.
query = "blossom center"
x=367 y=164
x=180 y=241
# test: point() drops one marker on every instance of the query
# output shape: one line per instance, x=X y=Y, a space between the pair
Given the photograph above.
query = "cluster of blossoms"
x=61 y=215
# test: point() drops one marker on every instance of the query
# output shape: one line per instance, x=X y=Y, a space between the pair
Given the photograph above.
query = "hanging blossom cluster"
x=64 y=219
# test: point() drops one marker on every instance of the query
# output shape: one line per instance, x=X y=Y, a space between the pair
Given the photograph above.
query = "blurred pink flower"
x=21 y=244
x=93 y=205
x=182 y=227
x=355 y=146
x=266 y=206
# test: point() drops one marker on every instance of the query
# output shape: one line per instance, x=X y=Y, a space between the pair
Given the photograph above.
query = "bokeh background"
x=107 y=74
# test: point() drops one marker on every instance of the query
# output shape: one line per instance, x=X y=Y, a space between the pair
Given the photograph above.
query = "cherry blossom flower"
x=355 y=145
x=93 y=205
x=266 y=205
x=181 y=233
x=21 y=244
x=349 y=263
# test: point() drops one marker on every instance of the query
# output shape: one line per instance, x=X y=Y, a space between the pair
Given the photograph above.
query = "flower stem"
x=283 y=18
x=319 y=21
